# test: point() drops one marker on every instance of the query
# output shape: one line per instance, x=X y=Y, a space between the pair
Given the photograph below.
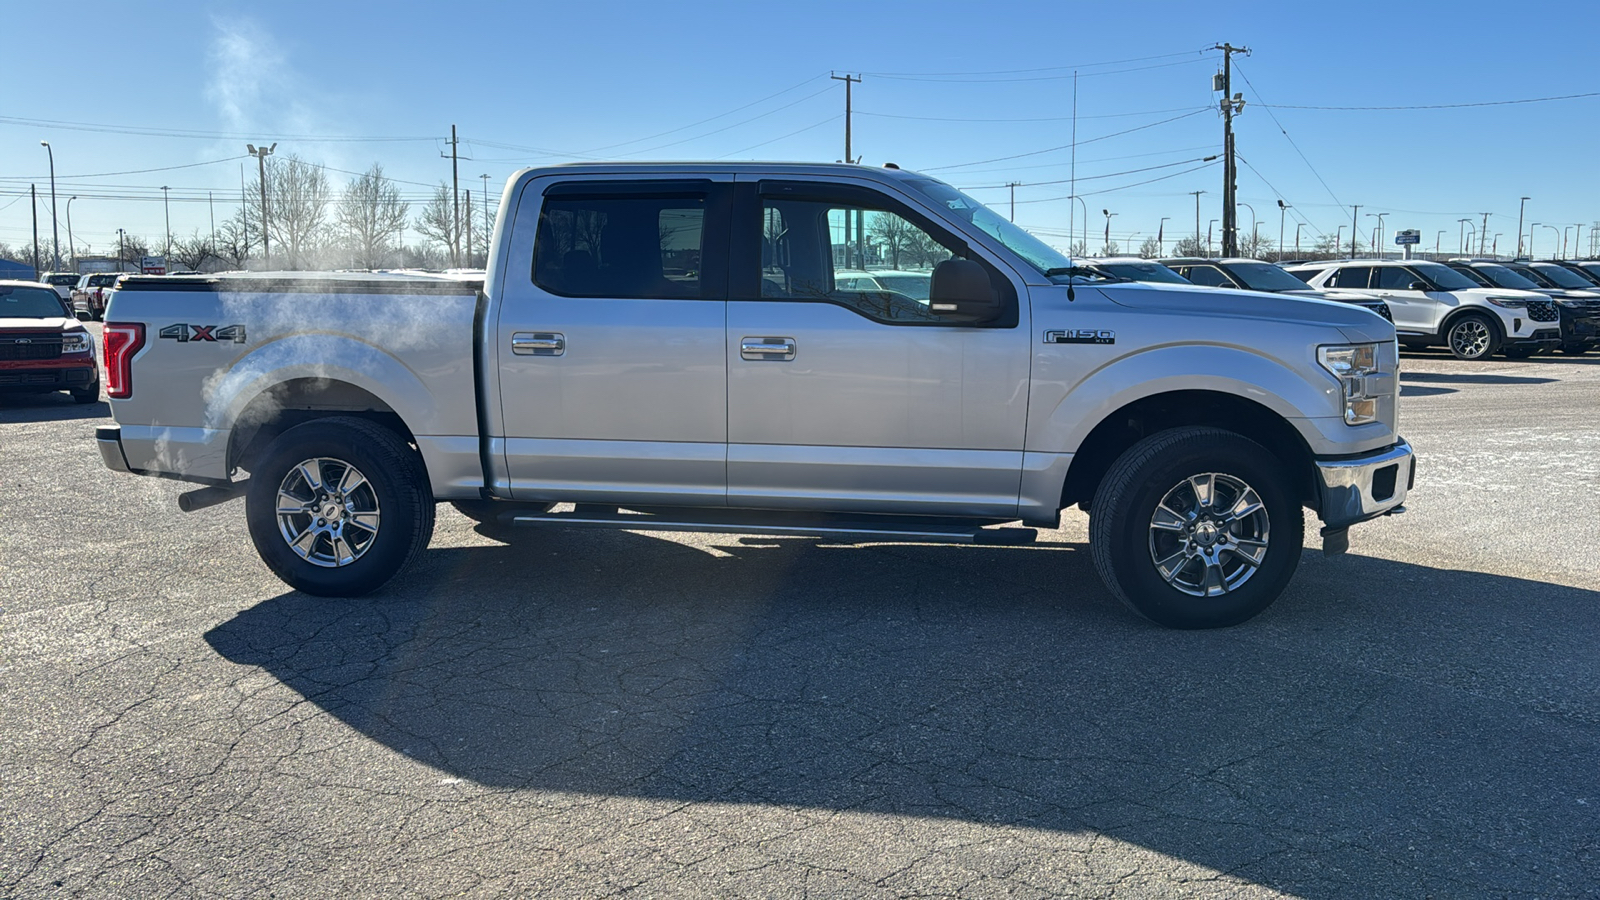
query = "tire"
x=386 y=518
x=86 y=395
x=1519 y=352
x=1171 y=468
x=1472 y=337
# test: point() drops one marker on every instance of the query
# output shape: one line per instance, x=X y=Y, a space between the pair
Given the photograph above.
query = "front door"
x=1413 y=310
x=609 y=345
x=845 y=391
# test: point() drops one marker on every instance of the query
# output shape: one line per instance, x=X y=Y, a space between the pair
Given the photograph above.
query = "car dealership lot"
x=592 y=713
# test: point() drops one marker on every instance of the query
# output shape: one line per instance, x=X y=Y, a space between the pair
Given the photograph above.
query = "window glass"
x=1442 y=276
x=1480 y=276
x=19 y=302
x=873 y=261
x=63 y=280
x=1210 y=276
x=1040 y=255
x=622 y=247
x=1500 y=276
x=1265 y=277
x=1393 y=278
x=1560 y=276
x=1151 y=271
x=1350 y=277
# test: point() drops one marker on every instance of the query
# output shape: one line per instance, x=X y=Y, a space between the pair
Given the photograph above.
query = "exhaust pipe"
x=211 y=496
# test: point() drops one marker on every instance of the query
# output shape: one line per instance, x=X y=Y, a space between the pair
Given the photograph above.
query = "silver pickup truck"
x=677 y=347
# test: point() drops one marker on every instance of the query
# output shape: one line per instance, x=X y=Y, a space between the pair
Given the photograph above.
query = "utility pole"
x=848 y=80
x=122 y=254
x=1521 y=207
x=487 y=225
x=455 y=200
x=72 y=249
x=261 y=155
x=244 y=219
x=209 y=202
x=1232 y=105
x=1197 y=219
x=1013 y=185
x=55 y=231
x=1355 y=228
x=469 y=228
x=1483 y=234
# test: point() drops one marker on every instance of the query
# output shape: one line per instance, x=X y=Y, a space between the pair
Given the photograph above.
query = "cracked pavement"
x=616 y=714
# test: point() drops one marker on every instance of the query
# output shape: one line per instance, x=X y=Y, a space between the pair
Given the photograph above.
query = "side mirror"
x=1418 y=286
x=961 y=292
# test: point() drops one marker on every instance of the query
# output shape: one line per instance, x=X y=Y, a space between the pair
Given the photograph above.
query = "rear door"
x=1413 y=310
x=864 y=400
x=609 y=344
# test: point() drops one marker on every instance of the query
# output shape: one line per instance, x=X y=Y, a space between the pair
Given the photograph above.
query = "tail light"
x=122 y=341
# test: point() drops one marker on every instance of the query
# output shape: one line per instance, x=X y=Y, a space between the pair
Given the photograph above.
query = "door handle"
x=538 y=343
x=758 y=348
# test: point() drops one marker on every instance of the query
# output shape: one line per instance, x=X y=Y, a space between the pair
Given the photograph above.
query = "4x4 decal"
x=186 y=333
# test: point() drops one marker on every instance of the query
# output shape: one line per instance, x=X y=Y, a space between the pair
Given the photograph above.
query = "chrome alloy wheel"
x=327 y=512
x=1470 y=338
x=1209 y=534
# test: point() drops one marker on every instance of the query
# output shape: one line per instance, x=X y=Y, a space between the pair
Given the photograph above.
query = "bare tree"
x=237 y=239
x=1150 y=249
x=192 y=251
x=297 y=209
x=924 y=251
x=1189 y=247
x=371 y=216
x=1111 y=248
x=891 y=233
x=1078 y=248
x=1254 y=245
x=437 y=221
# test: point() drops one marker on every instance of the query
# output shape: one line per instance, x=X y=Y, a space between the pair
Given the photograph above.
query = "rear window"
x=620 y=246
x=1350 y=277
x=18 y=302
x=62 y=280
x=102 y=280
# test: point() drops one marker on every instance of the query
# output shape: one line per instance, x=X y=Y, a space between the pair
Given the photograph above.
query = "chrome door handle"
x=758 y=348
x=538 y=343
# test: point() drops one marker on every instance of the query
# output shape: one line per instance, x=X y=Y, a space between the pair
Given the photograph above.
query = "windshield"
x=1265 y=277
x=1501 y=276
x=1585 y=273
x=1040 y=255
x=1474 y=274
x=1535 y=276
x=1562 y=277
x=63 y=280
x=1133 y=271
x=29 y=303
x=1446 y=278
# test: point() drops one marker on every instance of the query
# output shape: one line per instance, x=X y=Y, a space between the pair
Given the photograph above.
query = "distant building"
x=10 y=269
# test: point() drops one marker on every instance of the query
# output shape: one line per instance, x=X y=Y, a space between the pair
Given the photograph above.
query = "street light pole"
x=55 y=233
x=1255 y=237
x=1440 y=236
x=1558 y=234
x=1564 y=241
x=1355 y=228
x=1577 y=238
x=1209 y=223
x=1297 y=239
x=1197 y=218
x=1377 y=235
x=1520 y=208
x=1532 y=228
x=72 y=249
x=1161 y=233
x=261 y=154
x=122 y=254
x=1283 y=208
x=1108 y=214
x=487 y=225
x=1338 y=238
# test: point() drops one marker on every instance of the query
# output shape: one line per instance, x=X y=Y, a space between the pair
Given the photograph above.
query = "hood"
x=1357 y=323
x=1507 y=293
x=56 y=323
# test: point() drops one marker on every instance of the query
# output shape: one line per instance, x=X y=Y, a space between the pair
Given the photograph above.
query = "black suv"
x=1255 y=275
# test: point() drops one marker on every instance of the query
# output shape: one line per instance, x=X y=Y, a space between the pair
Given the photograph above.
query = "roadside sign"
x=1408 y=236
x=153 y=265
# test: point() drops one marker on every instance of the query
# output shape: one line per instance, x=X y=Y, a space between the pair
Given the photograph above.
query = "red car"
x=43 y=347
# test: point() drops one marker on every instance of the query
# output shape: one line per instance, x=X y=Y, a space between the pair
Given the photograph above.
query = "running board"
x=927 y=530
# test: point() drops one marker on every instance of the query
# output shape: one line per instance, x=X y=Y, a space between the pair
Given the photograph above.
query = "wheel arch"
x=1460 y=312
x=296 y=401
x=1140 y=418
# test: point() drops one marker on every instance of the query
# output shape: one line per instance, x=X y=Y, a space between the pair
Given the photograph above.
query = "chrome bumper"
x=1365 y=487
x=109 y=439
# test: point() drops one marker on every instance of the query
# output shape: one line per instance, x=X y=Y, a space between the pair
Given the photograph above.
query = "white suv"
x=1433 y=304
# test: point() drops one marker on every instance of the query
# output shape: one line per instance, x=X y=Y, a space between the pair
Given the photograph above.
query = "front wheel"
x=339 y=506
x=1472 y=337
x=1196 y=528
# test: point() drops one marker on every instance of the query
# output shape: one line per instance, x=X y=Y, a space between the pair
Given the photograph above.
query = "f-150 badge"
x=1080 y=336
x=183 y=334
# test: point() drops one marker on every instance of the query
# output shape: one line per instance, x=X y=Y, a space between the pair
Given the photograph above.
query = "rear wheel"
x=1472 y=337
x=339 y=506
x=1196 y=528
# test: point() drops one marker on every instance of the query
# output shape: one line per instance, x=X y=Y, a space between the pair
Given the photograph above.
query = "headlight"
x=75 y=342
x=1508 y=303
x=1353 y=364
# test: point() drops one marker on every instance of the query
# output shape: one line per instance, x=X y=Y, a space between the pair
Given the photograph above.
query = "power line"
x=206 y=135
x=1122 y=187
x=1065 y=146
x=730 y=127
x=1116 y=62
x=963 y=80
x=1181 y=162
x=65 y=178
x=730 y=112
x=1148 y=112
x=1285 y=132
x=833 y=118
x=1443 y=105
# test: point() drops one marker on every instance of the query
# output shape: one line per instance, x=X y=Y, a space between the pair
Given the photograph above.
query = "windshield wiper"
x=1082 y=272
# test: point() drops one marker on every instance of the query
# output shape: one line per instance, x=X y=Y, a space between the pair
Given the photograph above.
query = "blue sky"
x=945 y=86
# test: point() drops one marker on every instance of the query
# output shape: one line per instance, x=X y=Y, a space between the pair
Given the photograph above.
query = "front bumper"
x=1543 y=338
x=49 y=376
x=1355 y=489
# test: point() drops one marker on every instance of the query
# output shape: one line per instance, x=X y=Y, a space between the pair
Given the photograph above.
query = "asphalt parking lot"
x=586 y=714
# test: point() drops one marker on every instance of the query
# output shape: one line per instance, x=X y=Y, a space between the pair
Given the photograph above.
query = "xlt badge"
x=1080 y=336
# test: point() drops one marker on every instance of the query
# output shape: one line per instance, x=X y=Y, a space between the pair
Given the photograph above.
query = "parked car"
x=43 y=347
x=1579 y=309
x=759 y=398
x=912 y=284
x=1255 y=275
x=61 y=282
x=1588 y=269
x=92 y=292
x=1433 y=304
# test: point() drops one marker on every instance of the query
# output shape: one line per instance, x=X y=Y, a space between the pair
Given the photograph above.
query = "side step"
x=917 y=529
